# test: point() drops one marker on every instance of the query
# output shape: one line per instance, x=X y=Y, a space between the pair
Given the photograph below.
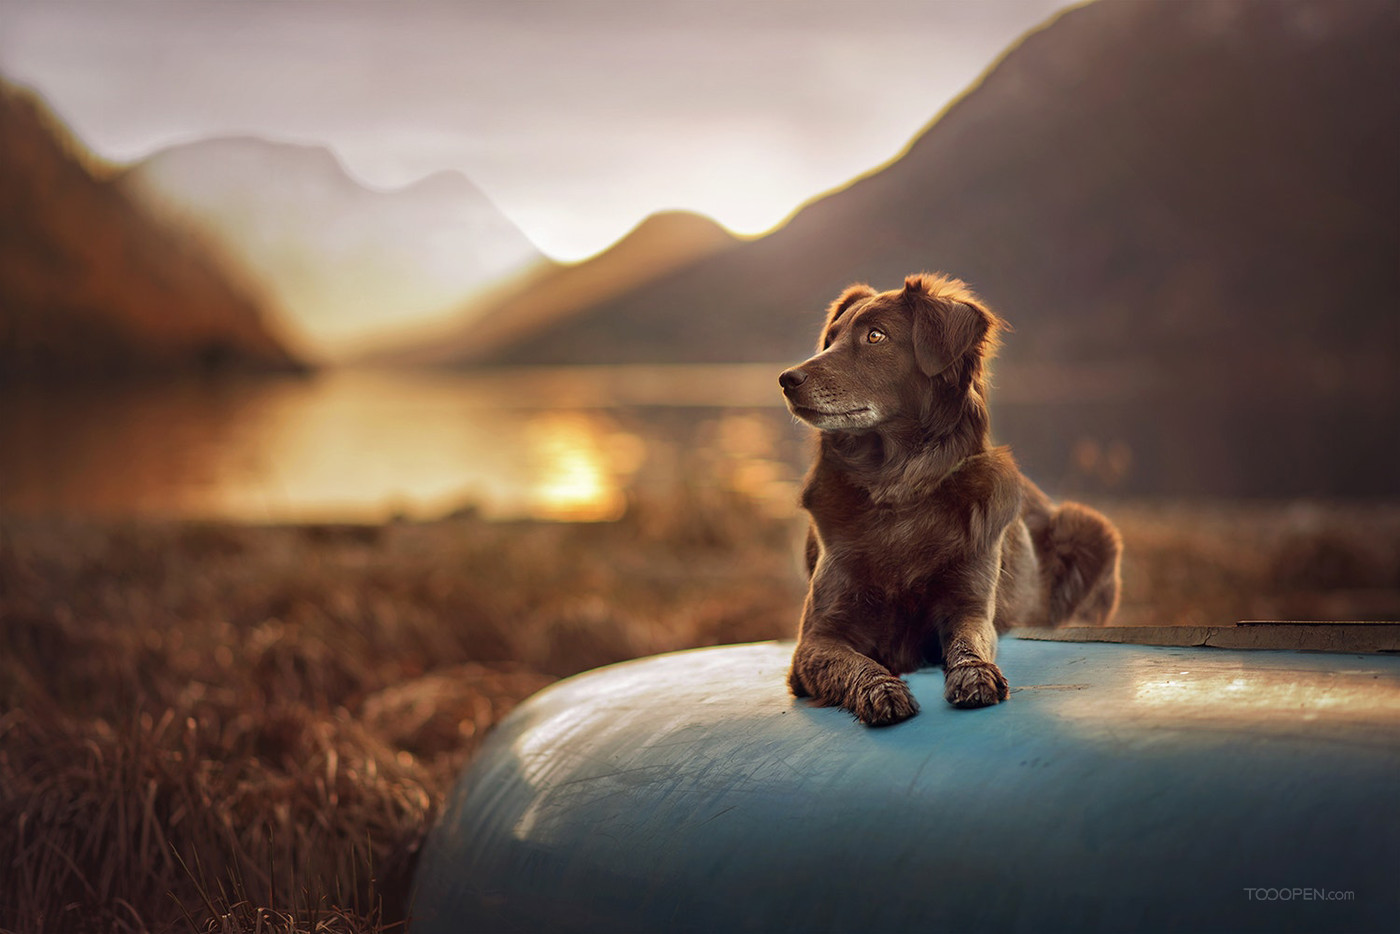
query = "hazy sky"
x=577 y=117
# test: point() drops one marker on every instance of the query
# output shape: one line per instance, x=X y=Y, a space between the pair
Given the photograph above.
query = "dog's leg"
x=970 y=677
x=969 y=640
x=827 y=667
x=839 y=676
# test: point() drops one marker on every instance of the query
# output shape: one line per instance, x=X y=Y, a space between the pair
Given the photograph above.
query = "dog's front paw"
x=975 y=684
x=884 y=701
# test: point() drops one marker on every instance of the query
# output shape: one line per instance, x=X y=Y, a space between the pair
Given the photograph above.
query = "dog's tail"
x=1079 y=551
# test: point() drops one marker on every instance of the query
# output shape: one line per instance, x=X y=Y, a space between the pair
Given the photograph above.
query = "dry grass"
x=1206 y=565
x=236 y=729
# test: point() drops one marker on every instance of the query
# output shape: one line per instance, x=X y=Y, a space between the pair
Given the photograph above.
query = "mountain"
x=93 y=286
x=1199 y=201
x=344 y=262
x=547 y=295
x=1154 y=171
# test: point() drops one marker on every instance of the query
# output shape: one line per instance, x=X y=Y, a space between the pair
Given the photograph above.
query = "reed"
x=213 y=727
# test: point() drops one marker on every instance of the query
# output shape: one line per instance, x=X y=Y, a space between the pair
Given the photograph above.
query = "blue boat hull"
x=1121 y=788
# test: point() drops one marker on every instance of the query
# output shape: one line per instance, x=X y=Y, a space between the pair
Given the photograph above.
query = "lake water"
x=576 y=443
x=343 y=445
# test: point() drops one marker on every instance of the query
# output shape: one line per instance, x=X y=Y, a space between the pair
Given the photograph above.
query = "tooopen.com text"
x=1298 y=894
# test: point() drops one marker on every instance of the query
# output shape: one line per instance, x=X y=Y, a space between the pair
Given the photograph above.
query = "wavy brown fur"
x=925 y=540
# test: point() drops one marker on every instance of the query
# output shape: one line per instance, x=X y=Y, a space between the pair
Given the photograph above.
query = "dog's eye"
x=875 y=336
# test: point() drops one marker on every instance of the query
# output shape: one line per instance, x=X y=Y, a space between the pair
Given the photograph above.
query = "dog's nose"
x=791 y=379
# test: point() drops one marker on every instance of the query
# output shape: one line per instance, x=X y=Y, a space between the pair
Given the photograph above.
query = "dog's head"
x=892 y=355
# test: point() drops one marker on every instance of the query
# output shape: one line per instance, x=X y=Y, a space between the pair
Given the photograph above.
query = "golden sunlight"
x=747 y=447
x=1210 y=691
x=577 y=479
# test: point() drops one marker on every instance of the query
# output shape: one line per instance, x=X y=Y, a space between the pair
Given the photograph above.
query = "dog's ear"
x=843 y=303
x=947 y=327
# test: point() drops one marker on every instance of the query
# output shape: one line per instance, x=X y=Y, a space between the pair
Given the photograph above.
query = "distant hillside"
x=343 y=261
x=92 y=286
x=1202 y=195
x=549 y=294
x=1135 y=172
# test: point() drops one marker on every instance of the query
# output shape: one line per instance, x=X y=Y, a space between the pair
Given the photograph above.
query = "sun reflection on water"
x=581 y=467
x=361 y=445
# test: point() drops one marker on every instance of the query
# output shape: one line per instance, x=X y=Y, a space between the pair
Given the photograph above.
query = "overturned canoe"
x=1122 y=787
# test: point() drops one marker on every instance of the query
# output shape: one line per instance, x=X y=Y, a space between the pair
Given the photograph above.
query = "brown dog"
x=925 y=540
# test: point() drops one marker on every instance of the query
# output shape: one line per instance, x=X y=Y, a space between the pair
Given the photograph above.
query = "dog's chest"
x=893 y=548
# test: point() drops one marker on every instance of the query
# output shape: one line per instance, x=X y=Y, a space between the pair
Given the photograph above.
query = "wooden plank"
x=1318 y=622
x=1302 y=636
x=1310 y=637
x=1135 y=635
